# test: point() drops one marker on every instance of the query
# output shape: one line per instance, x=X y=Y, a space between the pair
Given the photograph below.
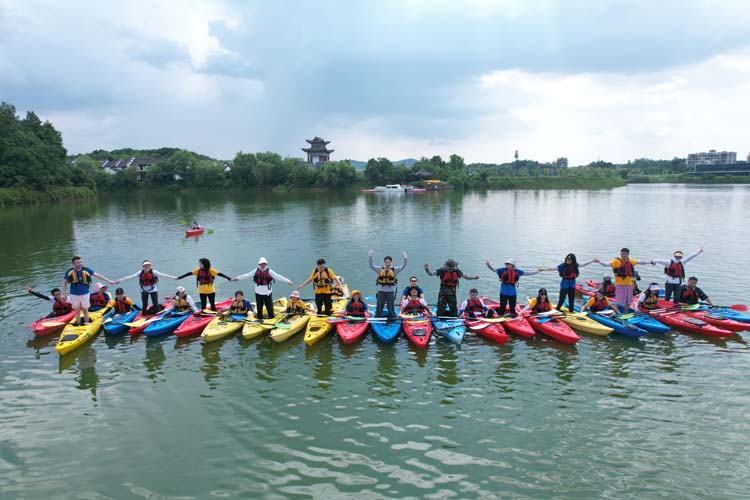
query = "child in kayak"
x=690 y=294
x=509 y=276
x=182 y=302
x=205 y=275
x=598 y=303
x=240 y=305
x=414 y=305
x=674 y=268
x=148 y=279
x=356 y=307
x=474 y=307
x=122 y=304
x=263 y=277
x=449 y=275
x=568 y=271
x=60 y=306
x=100 y=298
x=386 y=284
x=297 y=305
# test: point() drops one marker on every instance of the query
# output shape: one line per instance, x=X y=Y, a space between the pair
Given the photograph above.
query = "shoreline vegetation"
x=35 y=168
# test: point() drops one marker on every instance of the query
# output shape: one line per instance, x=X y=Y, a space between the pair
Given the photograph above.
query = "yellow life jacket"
x=650 y=301
x=322 y=279
x=73 y=277
x=238 y=307
x=386 y=277
x=180 y=305
x=296 y=306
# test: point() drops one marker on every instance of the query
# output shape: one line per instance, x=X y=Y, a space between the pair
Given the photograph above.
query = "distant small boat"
x=390 y=188
x=413 y=189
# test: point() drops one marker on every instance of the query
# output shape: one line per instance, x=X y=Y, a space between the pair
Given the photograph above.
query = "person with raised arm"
x=148 y=279
x=386 y=283
x=79 y=278
x=323 y=279
x=449 y=274
x=60 y=306
x=674 y=268
x=509 y=277
x=263 y=277
x=205 y=276
x=624 y=271
x=568 y=271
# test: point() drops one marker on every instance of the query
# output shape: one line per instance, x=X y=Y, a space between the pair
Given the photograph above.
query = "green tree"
x=242 y=171
x=337 y=174
x=380 y=170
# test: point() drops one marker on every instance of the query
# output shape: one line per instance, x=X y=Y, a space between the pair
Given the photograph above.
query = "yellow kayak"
x=222 y=326
x=581 y=322
x=252 y=330
x=74 y=336
x=288 y=326
x=318 y=326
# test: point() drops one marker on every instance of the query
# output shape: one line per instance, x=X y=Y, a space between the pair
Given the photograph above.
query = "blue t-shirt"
x=565 y=282
x=79 y=288
x=505 y=288
x=406 y=290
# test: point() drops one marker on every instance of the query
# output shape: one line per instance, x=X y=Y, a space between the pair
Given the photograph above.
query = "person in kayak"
x=474 y=307
x=323 y=280
x=412 y=284
x=194 y=225
x=607 y=287
x=295 y=305
x=386 y=284
x=123 y=304
x=100 y=298
x=568 y=271
x=649 y=299
x=205 y=275
x=263 y=277
x=240 y=305
x=674 y=269
x=60 y=306
x=148 y=279
x=598 y=303
x=79 y=278
x=356 y=307
x=182 y=302
x=509 y=276
x=540 y=304
x=449 y=274
x=624 y=270
x=690 y=294
x=414 y=304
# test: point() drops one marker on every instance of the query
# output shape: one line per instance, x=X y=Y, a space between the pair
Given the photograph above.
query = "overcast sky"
x=610 y=80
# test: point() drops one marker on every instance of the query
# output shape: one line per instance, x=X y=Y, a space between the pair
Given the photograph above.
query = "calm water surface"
x=609 y=417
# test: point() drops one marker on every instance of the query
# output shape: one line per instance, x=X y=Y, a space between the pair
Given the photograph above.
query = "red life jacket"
x=449 y=278
x=98 y=299
x=541 y=307
x=650 y=301
x=609 y=289
x=60 y=307
x=689 y=296
x=148 y=279
x=599 y=305
x=413 y=306
x=570 y=272
x=262 y=277
x=204 y=277
x=474 y=306
x=355 y=308
x=509 y=277
x=625 y=269
x=675 y=270
x=122 y=306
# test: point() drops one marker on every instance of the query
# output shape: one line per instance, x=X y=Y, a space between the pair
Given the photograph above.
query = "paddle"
x=145 y=321
x=48 y=324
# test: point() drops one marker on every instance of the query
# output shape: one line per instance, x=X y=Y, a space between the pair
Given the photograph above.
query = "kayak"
x=194 y=232
x=143 y=320
x=197 y=323
x=254 y=327
x=386 y=331
x=50 y=324
x=620 y=326
x=708 y=315
x=586 y=290
x=550 y=326
x=114 y=324
x=728 y=312
x=351 y=330
x=452 y=329
x=644 y=321
x=288 y=326
x=682 y=321
x=223 y=326
x=74 y=336
x=491 y=331
x=518 y=325
x=166 y=323
x=318 y=326
x=417 y=329
x=581 y=322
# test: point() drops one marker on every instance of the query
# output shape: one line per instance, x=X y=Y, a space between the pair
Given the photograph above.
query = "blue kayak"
x=166 y=324
x=728 y=313
x=386 y=331
x=646 y=322
x=453 y=329
x=114 y=324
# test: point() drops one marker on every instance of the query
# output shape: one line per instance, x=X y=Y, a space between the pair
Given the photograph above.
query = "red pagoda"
x=317 y=153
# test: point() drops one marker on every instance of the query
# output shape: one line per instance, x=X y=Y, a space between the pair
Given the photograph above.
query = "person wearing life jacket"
x=509 y=276
x=540 y=304
x=569 y=270
x=407 y=289
x=449 y=274
x=100 y=298
x=624 y=270
x=607 y=287
x=649 y=299
x=674 y=269
x=182 y=302
x=263 y=277
x=356 y=307
x=295 y=305
x=323 y=279
x=385 y=284
x=474 y=307
x=598 y=303
x=60 y=306
x=194 y=225
x=205 y=275
x=79 y=278
x=148 y=279
x=414 y=304
x=690 y=294
x=240 y=306
x=123 y=304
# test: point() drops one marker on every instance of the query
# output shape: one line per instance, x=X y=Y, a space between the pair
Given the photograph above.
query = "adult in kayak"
x=649 y=299
x=148 y=279
x=295 y=305
x=598 y=303
x=386 y=283
x=182 y=302
x=539 y=304
x=414 y=304
x=263 y=277
x=449 y=274
x=205 y=275
x=474 y=307
x=79 y=278
x=100 y=298
x=60 y=306
x=509 y=276
x=607 y=287
x=356 y=307
x=240 y=305
x=624 y=270
x=123 y=304
x=568 y=271
x=194 y=225
x=674 y=268
x=323 y=280
x=412 y=284
x=690 y=294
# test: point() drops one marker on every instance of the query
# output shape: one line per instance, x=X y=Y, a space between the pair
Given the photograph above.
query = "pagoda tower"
x=317 y=153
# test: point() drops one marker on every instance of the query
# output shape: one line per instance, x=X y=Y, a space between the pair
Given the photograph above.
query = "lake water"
x=610 y=417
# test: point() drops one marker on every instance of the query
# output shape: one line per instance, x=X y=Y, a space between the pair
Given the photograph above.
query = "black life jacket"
x=474 y=306
x=122 y=306
x=689 y=296
x=449 y=278
x=599 y=305
x=625 y=269
x=180 y=305
x=262 y=277
x=649 y=302
x=238 y=307
x=675 y=270
x=60 y=307
x=148 y=279
x=204 y=277
x=413 y=306
x=541 y=307
x=386 y=277
x=355 y=308
x=98 y=299
x=509 y=277
x=73 y=277
x=608 y=289
x=570 y=271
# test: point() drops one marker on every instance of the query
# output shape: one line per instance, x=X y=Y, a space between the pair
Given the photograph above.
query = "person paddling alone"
x=449 y=274
x=386 y=284
x=263 y=277
x=205 y=275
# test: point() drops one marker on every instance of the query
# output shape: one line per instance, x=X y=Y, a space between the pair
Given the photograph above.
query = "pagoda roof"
x=317 y=140
x=317 y=149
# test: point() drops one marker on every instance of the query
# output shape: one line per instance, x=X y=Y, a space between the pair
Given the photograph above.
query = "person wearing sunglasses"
x=407 y=289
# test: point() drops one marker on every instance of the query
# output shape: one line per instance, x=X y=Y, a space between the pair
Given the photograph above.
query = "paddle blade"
x=739 y=307
x=48 y=324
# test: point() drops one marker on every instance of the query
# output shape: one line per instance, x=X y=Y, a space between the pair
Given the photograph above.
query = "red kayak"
x=193 y=232
x=491 y=331
x=418 y=329
x=194 y=325
x=682 y=321
x=137 y=330
x=553 y=327
x=50 y=324
x=352 y=330
x=586 y=290
x=518 y=325
x=708 y=317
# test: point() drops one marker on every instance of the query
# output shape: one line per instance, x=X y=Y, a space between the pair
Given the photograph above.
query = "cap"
x=146 y=263
x=262 y=260
x=677 y=253
x=511 y=262
x=295 y=294
x=354 y=292
x=654 y=287
x=99 y=286
x=180 y=289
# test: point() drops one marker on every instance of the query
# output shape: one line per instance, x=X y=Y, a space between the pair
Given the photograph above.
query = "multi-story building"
x=713 y=157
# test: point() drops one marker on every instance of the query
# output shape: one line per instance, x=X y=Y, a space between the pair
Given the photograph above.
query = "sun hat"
x=511 y=262
x=262 y=260
x=295 y=294
x=653 y=287
x=180 y=289
x=146 y=263
x=678 y=253
x=355 y=292
x=99 y=286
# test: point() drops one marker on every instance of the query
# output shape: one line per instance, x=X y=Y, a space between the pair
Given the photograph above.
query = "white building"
x=713 y=157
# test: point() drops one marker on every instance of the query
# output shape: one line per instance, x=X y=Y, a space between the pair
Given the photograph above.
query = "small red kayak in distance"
x=194 y=232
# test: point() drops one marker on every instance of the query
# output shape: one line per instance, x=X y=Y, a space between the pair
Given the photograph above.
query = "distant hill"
x=360 y=165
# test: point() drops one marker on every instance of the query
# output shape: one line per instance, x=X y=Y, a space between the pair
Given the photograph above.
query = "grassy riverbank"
x=22 y=196
x=495 y=182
